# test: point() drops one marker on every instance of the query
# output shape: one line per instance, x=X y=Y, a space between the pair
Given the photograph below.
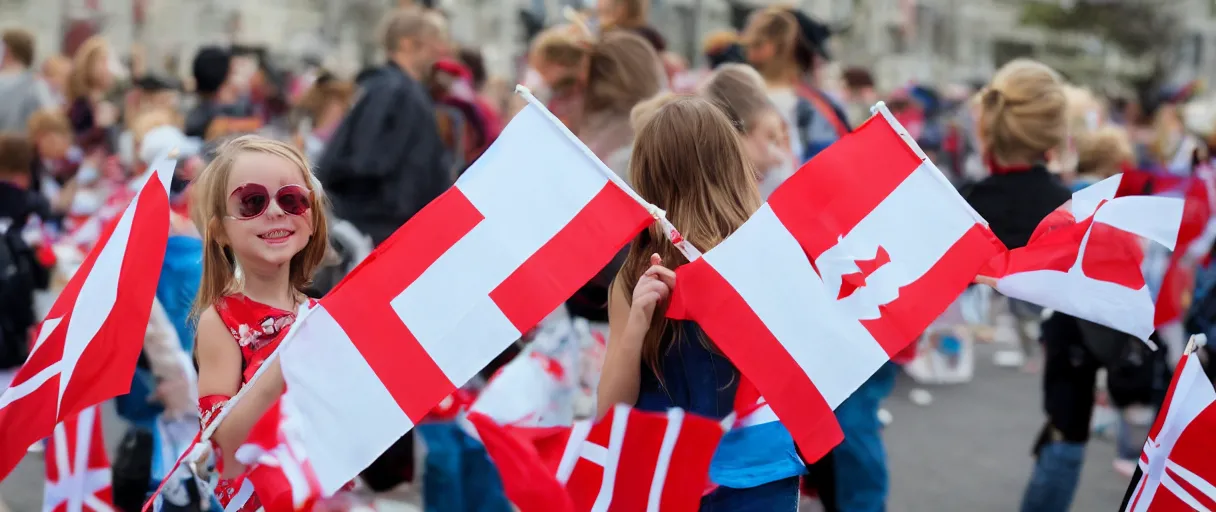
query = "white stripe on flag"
x=620 y=420
x=556 y=184
x=573 y=451
x=308 y=358
x=675 y=421
x=787 y=278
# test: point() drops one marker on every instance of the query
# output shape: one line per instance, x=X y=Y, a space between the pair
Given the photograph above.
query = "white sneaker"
x=1125 y=467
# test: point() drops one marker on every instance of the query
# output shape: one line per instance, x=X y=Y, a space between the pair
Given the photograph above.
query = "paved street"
x=967 y=451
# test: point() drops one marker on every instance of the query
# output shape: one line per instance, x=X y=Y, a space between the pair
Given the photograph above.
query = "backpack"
x=18 y=281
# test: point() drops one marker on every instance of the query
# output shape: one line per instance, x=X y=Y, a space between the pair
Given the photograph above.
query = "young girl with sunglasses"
x=259 y=210
x=689 y=159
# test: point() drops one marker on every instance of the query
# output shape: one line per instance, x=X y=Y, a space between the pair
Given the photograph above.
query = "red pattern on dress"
x=258 y=329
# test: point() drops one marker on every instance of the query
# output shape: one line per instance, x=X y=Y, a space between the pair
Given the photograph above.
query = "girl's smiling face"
x=266 y=241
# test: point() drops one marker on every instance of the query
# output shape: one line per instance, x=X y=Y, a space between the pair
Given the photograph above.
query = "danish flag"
x=86 y=349
x=529 y=223
x=846 y=264
x=77 y=469
x=1085 y=259
x=279 y=470
x=1177 y=471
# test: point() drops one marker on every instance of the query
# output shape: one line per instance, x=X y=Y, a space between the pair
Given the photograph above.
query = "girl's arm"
x=627 y=327
x=622 y=373
x=219 y=373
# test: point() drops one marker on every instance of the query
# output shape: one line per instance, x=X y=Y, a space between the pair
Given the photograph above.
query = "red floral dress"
x=258 y=329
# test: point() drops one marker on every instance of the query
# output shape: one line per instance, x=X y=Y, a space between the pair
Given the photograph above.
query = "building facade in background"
x=900 y=41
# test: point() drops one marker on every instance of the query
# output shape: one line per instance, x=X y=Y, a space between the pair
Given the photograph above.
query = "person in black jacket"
x=386 y=160
x=22 y=273
x=1022 y=126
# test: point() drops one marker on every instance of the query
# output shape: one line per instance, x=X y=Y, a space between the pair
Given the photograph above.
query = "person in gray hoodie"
x=23 y=92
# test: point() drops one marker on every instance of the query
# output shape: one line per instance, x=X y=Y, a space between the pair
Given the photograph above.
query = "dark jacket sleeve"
x=372 y=140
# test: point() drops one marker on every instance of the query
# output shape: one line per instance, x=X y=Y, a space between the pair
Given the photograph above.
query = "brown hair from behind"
x=1023 y=113
x=565 y=45
x=410 y=23
x=1102 y=152
x=622 y=70
x=48 y=121
x=321 y=95
x=737 y=89
x=19 y=43
x=209 y=205
x=16 y=155
x=689 y=160
x=80 y=81
x=633 y=14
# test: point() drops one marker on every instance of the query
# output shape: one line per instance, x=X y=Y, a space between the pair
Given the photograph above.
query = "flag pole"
x=880 y=108
x=687 y=249
x=1196 y=341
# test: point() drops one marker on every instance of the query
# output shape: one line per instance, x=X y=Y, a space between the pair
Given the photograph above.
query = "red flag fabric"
x=1085 y=258
x=86 y=349
x=636 y=461
x=279 y=470
x=77 y=469
x=529 y=483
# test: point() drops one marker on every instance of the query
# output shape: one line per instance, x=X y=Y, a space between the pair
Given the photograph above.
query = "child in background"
x=19 y=207
x=739 y=90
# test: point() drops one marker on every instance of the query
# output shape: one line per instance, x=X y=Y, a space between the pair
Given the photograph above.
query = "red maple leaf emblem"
x=849 y=283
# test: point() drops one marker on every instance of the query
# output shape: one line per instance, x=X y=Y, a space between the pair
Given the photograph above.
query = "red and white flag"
x=1177 y=471
x=77 y=469
x=86 y=348
x=845 y=265
x=1085 y=259
x=635 y=461
x=528 y=481
x=523 y=228
x=278 y=467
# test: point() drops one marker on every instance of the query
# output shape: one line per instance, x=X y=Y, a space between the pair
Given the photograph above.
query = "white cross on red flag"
x=633 y=461
x=1085 y=258
x=77 y=469
x=522 y=229
x=1177 y=470
x=278 y=466
x=845 y=265
x=87 y=347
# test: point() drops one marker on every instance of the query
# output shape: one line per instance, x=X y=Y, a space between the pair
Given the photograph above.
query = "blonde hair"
x=622 y=70
x=776 y=25
x=1103 y=151
x=636 y=14
x=209 y=205
x=738 y=90
x=48 y=121
x=80 y=80
x=688 y=159
x=1023 y=113
x=564 y=45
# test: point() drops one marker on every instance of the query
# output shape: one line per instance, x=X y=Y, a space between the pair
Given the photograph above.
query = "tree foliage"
x=1145 y=30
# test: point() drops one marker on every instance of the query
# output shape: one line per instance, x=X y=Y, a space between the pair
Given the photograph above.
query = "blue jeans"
x=1053 y=484
x=459 y=476
x=860 y=461
x=779 y=496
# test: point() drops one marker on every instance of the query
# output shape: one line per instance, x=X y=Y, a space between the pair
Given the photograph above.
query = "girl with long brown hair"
x=688 y=158
x=261 y=215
